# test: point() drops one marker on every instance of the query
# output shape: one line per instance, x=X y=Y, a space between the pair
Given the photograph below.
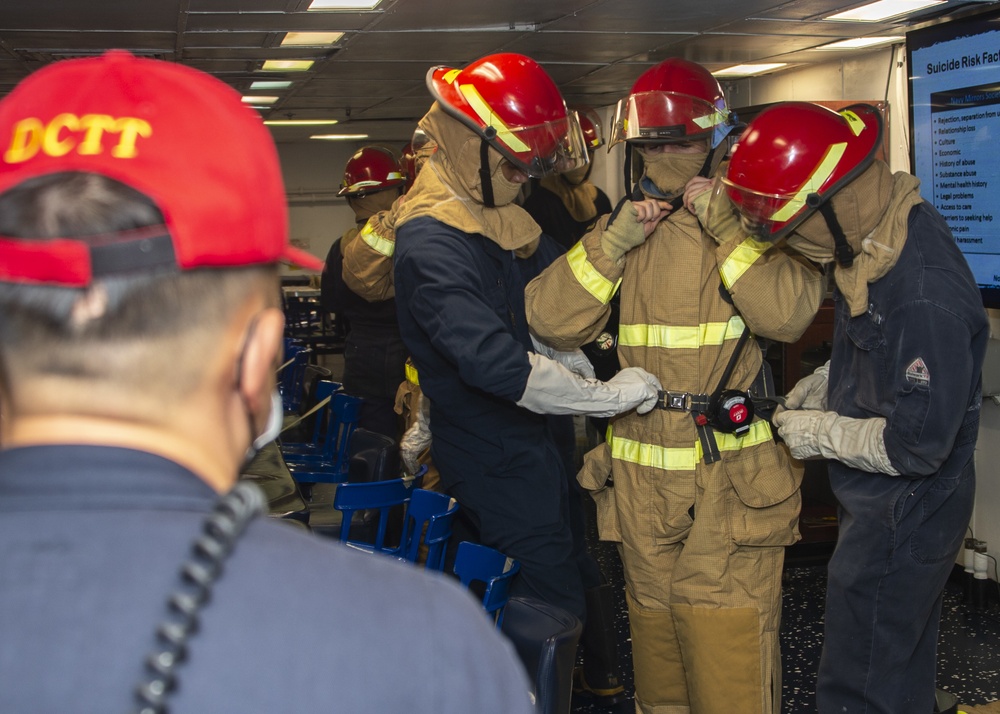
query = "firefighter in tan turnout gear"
x=697 y=494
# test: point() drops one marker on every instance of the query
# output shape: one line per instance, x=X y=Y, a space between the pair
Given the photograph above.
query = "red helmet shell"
x=369 y=170
x=590 y=124
x=510 y=101
x=795 y=150
x=676 y=100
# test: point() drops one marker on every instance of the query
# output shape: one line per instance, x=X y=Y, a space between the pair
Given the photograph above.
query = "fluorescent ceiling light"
x=251 y=99
x=286 y=65
x=310 y=39
x=883 y=9
x=339 y=137
x=343 y=4
x=746 y=70
x=263 y=84
x=300 y=122
x=860 y=42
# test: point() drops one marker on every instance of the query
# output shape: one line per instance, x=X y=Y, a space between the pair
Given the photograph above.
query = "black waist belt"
x=682 y=401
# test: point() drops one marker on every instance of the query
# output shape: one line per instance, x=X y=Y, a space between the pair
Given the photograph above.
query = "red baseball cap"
x=174 y=133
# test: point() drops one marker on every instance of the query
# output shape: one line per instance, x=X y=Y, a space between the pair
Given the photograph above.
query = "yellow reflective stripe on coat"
x=740 y=260
x=589 y=277
x=410 y=371
x=377 y=243
x=684 y=338
x=669 y=458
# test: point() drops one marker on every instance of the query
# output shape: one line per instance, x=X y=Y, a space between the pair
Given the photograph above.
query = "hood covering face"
x=873 y=211
x=669 y=172
x=448 y=188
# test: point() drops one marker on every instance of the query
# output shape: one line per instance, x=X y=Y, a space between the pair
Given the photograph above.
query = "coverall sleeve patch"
x=917 y=373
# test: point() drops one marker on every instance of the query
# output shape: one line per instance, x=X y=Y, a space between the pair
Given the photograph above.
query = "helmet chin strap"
x=842 y=249
x=485 y=177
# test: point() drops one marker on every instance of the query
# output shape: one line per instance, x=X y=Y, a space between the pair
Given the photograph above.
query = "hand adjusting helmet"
x=789 y=163
x=513 y=104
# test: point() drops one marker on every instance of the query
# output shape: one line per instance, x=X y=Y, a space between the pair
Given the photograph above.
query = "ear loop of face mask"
x=275 y=417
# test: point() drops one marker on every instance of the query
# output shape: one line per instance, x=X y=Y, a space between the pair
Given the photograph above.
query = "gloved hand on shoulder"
x=630 y=224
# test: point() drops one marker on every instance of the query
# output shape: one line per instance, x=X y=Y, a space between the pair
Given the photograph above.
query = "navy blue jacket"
x=461 y=313
x=93 y=539
x=915 y=357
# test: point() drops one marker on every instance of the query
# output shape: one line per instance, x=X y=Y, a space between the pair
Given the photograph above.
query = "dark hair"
x=42 y=320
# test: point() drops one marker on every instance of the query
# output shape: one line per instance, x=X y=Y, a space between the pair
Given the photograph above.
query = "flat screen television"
x=954 y=87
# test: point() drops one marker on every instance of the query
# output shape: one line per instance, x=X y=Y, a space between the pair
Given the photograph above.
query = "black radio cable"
x=221 y=530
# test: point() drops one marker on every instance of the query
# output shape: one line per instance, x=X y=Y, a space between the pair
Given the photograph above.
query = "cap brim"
x=302 y=259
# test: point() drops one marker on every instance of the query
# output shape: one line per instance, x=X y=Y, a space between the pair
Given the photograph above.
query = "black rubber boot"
x=598 y=677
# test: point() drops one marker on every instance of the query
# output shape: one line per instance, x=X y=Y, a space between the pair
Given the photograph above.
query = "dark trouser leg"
x=897 y=545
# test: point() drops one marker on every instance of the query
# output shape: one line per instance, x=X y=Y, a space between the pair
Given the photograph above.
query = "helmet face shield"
x=555 y=146
x=764 y=216
x=662 y=117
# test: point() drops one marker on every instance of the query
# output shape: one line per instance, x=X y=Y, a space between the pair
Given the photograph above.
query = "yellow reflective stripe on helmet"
x=486 y=115
x=668 y=458
x=589 y=277
x=410 y=371
x=682 y=338
x=450 y=75
x=740 y=260
x=709 y=120
x=812 y=184
x=377 y=243
x=856 y=123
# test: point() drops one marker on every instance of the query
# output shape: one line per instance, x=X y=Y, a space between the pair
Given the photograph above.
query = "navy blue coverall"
x=460 y=299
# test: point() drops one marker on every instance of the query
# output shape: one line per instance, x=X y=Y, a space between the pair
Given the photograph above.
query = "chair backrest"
x=492 y=570
x=341 y=421
x=291 y=379
x=427 y=523
x=381 y=496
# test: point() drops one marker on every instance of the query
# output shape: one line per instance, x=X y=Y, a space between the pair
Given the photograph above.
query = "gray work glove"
x=417 y=438
x=553 y=389
x=810 y=392
x=855 y=442
x=623 y=233
x=573 y=360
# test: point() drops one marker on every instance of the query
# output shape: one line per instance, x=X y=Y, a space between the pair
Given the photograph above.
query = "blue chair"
x=291 y=376
x=366 y=497
x=481 y=566
x=427 y=527
x=323 y=394
x=330 y=463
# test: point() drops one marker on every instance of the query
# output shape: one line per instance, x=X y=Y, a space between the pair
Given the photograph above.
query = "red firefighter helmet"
x=590 y=125
x=510 y=101
x=674 y=101
x=794 y=156
x=371 y=169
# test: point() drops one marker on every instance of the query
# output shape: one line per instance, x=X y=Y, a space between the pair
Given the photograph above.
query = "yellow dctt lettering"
x=51 y=143
x=94 y=126
x=131 y=129
x=25 y=141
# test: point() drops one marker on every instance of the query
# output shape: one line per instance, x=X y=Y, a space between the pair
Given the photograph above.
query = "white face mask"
x=275 y=419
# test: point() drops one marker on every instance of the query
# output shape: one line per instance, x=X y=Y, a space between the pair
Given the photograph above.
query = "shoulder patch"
x=917 y=372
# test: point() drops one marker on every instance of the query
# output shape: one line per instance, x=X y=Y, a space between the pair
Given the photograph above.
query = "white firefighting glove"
x=810 y=391
x=553 y=389
x=855 y=442
x=573 y=360
x=417 y=438
x=624 y=232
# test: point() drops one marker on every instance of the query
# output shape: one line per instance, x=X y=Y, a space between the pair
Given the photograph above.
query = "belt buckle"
x=680 y=401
